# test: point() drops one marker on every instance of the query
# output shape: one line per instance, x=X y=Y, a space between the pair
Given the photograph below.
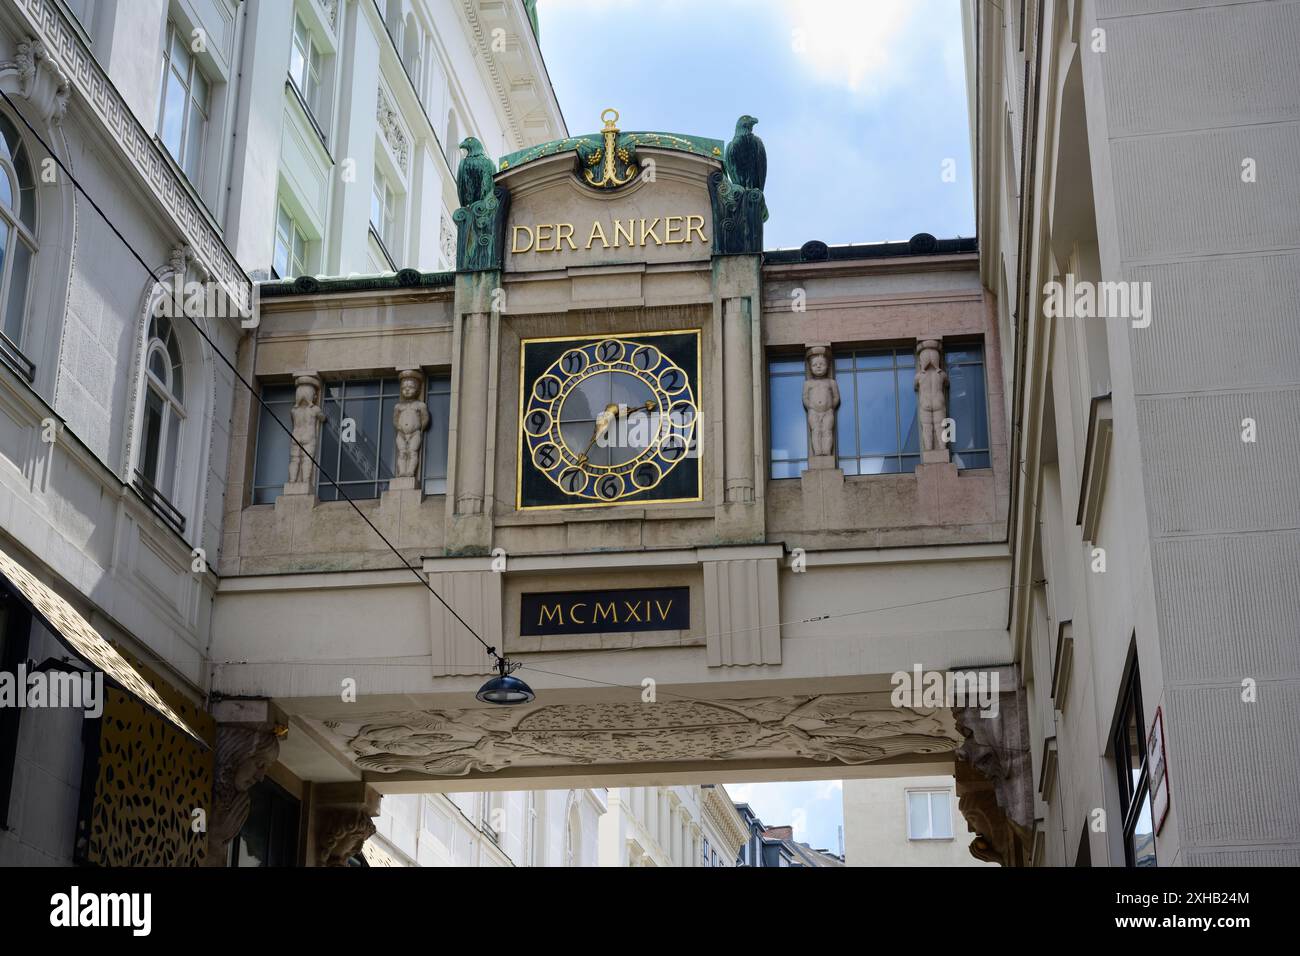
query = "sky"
x=860 y=104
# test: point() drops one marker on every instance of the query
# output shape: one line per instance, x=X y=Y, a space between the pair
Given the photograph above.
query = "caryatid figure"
x=306 y=416
x=410 y=419
x=931 y=393
x=821 y=398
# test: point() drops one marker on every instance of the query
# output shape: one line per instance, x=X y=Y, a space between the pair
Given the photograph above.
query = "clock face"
x=609 y=420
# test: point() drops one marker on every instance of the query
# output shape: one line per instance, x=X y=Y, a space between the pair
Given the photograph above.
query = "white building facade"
x=670 y=826
x=905 y=821
x=226 y=141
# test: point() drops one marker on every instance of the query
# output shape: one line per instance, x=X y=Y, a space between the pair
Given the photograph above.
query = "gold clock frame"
x=521 y=445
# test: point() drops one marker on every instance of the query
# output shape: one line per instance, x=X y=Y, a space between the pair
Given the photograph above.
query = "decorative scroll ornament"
x=615 y=159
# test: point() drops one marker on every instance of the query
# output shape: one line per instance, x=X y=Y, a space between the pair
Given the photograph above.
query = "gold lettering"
x=597 y=230
x=573 y=614
x=514 y=240
x=544 y=229
x=668 y=230
x=632 y=609
x=564 y=231
x=663 y=611
x=601 y=613
x=693 y=228
x=552 y=613
x=620 y=230
x=651 y=232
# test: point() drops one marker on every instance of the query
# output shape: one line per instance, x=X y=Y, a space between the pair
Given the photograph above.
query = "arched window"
x=17 y=230
x=573 y=834
x=164 y=413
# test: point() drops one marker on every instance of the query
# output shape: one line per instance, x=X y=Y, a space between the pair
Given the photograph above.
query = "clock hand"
x=603 y=421
x=607 y=418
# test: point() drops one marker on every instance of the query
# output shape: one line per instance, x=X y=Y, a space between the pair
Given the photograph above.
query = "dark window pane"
x=271 y=466
x=435 y=439
x=789 y=426
x=968 y=407
x=908 y=423
x=153 y=415
x=787 y=366
x=877 y=416
x=874 y=359
x=788 y=469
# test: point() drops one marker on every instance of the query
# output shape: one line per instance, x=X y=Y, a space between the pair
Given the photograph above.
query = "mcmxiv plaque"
x=595 y=612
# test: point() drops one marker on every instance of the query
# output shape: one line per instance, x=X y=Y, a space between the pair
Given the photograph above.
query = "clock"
x=609 y=420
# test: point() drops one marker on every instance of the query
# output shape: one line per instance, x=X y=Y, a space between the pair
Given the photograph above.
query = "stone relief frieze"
x=848 y=728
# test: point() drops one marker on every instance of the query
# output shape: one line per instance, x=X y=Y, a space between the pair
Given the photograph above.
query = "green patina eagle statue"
x=745 y=159
x=474 y=175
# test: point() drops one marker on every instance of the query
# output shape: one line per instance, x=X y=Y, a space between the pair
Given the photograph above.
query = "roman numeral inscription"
x=595 y=612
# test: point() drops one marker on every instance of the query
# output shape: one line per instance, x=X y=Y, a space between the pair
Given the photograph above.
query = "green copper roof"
x=699 y=145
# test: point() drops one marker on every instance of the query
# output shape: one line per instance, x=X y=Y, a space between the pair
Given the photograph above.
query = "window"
x=785 y=411
x=530 y=828
x=304 y=65
x=270 y=834
x=438 y=397
x=357 y=439
x=704 y=857
x=382 y=210
x=164 y=415
x=1131 y=775
x=290 y=257
x=271 y=461
x=17 y=232
x=968 y=405
x=877 y=431
x=183 y=105
x=929 y=815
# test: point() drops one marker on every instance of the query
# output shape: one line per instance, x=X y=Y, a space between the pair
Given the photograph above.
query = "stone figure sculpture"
x=306 y=416
x=410 y=419
x=821 y=399
x=931 y=388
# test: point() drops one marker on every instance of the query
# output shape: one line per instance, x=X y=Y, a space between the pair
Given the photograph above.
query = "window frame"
x=929 y=793
x=982 y=363
x=170 y=392
x=309 y=85
x=387 y=203
x=327 y=490
x=171 y=37
x=295 y=264
x=17 y=228
x=773 y=360
x=264 y=404
x=1134 y=792
x=436 y=484
x=849 y=401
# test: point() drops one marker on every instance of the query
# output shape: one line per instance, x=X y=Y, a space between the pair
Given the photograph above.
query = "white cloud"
x=850 y=43
x=799 y=821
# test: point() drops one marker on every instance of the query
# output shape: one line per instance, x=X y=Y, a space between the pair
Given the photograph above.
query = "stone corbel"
x=995 y=788
x=248 y=745
x=34 y=76
x=342 y=821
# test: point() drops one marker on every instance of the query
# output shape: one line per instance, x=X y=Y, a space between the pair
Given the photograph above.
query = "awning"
x=75 y=633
